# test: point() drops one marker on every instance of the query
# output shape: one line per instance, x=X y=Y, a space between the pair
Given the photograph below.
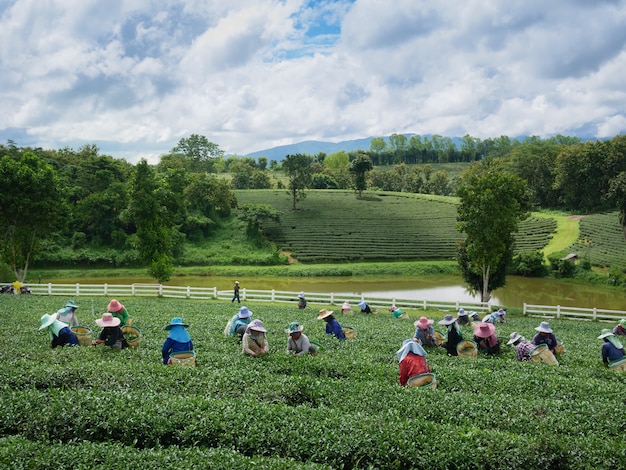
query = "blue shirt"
x=170 y=346
x=334 y=328
x=611 y=353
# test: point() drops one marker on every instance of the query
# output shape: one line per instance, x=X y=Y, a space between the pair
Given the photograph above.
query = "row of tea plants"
x=87 y=407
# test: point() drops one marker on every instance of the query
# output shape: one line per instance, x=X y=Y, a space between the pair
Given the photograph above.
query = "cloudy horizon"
x=134 y=77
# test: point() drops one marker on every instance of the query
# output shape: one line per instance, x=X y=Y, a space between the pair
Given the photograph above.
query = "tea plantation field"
x=89 y=407
x=336 y=226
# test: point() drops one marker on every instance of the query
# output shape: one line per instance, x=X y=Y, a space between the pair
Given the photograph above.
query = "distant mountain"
x=312 y=147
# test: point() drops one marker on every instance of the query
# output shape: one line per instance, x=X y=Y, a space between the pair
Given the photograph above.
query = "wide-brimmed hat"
x=423 y=322
x=176 y=322
x=47 y=320
x=71 y=304
x=362 y=304
x=473 y=314
x=462 y=313
x=605 y=333
x=236 y=282
x=515 y=337
x=324 y=313
x=501 y=312
x=622 y=322
x=447 y=320
x=244 y=313
x=257 y=325
x=345 y=305
x=301 y=295
x=115 y=306
x=544 y=327
x=294 y=327
x=107 y=320
x=484 y=330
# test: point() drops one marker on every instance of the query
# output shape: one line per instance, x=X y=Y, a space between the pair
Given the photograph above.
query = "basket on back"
x=619 y=365
x=83 y=333
x=349 y=332
x=423 y=381
x=183 y=358
x=132 y=335
x=543 y=354
x=467 y=348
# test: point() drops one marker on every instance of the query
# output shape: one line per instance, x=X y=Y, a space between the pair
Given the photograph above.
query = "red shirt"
x=411 y=366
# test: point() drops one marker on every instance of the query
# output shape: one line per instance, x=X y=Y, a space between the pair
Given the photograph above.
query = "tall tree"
x=298 y=169
x=200 y=152
x=31 y=207
x=359 y=167
x=492 y=205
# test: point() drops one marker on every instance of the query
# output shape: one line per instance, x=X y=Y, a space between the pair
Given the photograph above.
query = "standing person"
x=496 y=317
x=545 y=336
x=620 y=328
x=111 y=334
x=332 y=325
x=454 y=335
x=412 y=360
x=177 y=340
x=118 y=310
x=59 y=333
x=67 y=314
x=424 y=332
x=523 y=347
x=485 y=338
x=236 y=293
x=301 y=301
x=612 y=348
x=298 y=343
x=240 y=321
x=254 y=342
x=462 y=318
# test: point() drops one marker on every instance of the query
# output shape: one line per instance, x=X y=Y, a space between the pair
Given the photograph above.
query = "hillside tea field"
x=90 y=407
x=337 y=226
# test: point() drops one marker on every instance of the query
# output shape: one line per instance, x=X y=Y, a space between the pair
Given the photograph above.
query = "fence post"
x=273 y=294
x=244 y=294
x=425 y=303
x=160 y=290
x=132 y=290
x=188 y=291
x=595 y=313
x=49 y=288
x=524 y=311
x=332 y=298
x=558 y=311
x=77 y=289
x=106 y=288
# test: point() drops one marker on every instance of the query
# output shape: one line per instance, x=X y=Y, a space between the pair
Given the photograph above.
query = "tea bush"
x=88 y=407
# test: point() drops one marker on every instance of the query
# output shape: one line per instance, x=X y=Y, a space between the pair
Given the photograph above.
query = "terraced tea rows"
x=606 y=240
x=336 y=226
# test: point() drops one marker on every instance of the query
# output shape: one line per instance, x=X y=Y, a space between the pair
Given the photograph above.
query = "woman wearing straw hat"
x=412 y=360
x=111 y=334
x=523 y=347
x=59 y=333
x=301 y=301
x=612 y=348
x=298 y=344
x=454 y=335
x=462 y=318
x=485 y=338
x=254 y=342
x=67 y=313
x=545 y=336
x=118 y=310
x=346 y=309
x=177 y=340
x=620 y=328
x=424 y=332
x=365 y=308
x=239 y=322
x=332 y=325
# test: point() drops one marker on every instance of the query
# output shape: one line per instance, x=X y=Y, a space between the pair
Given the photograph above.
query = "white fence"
x=558 y=311
x=246 y=295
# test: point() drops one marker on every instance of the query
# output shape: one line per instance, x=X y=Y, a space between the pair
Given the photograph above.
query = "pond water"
x=519 y=290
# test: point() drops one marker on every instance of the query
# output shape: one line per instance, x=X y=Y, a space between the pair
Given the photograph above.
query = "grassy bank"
x=89 y=407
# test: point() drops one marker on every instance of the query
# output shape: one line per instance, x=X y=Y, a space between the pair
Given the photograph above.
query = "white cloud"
x=137 y=76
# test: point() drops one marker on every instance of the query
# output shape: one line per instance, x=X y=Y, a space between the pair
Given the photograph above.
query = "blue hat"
x=177 y=330
x=71 y=304
x=244 y=313
x=176 y=322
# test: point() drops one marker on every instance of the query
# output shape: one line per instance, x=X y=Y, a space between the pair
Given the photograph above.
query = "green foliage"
x=298 y=169
x=561 y=268
x=88 y=407
x=359 y=167
x=529 y=265
x=200 y=154
x=255 y=215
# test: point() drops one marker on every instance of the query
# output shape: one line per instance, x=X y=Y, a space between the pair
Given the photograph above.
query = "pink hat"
x=115 y=306
x=346 y=306
x=423 y=323
x=484 y=330
x=107 y=320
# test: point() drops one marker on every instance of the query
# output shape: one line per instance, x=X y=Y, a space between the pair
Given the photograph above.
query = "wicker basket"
x=543 y=354
x=349 y=332
x=83 y=333
x=183 y=358
x=618 y=365
x=560 y=349
x=423 y=381
x=467 y=348
x=132 y=335
x=439 y=338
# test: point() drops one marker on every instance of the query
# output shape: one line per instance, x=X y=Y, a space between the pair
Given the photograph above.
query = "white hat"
x=544 y=327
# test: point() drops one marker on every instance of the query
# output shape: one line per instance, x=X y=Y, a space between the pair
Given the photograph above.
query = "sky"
x=136 y=76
